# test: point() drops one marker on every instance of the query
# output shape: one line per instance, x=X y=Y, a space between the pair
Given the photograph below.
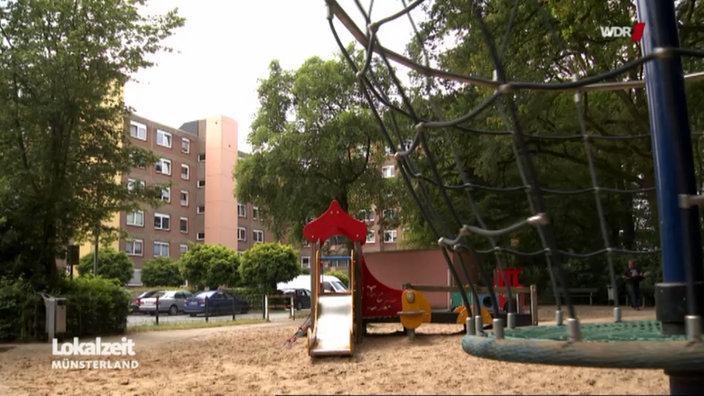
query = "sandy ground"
x=254 y=360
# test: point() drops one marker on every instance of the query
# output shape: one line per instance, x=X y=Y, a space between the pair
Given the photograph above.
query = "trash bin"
x=55 y=315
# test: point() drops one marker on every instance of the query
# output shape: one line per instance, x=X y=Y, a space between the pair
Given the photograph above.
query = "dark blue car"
x=218 y=303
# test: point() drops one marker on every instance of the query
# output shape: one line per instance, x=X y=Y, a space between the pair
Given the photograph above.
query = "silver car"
x=171 y=301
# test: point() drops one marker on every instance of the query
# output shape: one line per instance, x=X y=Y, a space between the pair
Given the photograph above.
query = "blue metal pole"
x=680 y=291
x=672 y=150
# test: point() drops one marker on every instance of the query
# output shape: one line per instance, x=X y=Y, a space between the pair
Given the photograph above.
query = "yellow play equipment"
x=416 y=311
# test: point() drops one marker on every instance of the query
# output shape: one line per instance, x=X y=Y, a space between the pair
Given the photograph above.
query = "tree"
x=266 y=264
x=63 y=64
x=161 y=271
x=313 y=141
x=211 y=266
x=111 y=264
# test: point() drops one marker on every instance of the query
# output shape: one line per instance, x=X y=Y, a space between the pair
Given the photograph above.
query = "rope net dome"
x=526 y=135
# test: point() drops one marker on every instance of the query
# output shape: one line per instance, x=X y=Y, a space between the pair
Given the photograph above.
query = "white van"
x=331 y=284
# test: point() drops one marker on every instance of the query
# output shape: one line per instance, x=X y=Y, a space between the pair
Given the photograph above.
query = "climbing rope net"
x=520 y=146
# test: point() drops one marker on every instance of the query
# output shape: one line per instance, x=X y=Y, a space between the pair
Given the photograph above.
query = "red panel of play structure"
x=335 y=221
x=378 y=299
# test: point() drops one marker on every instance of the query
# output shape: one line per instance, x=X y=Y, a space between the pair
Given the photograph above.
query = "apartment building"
x=194 y=166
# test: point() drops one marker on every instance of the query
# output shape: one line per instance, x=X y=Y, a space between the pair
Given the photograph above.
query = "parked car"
x=301 y=298
x=171 y=301
x=219 y=303
x=137 y=300
x=330 y=283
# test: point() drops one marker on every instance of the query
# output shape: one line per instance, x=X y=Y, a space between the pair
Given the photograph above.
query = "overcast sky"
x=222 y=51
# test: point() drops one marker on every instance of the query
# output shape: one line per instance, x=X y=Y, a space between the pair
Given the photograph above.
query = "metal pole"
x=674 y=174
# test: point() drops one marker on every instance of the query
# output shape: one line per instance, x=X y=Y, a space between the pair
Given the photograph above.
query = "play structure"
x=339 y=319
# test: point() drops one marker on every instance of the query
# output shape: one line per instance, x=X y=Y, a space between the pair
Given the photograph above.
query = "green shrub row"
x=21 y=311
x=94 y=306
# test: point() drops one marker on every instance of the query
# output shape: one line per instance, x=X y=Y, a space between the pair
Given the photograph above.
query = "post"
x=233 y=309
x=206 y=309
x=266 y=307
x=95 y=253
x=292 y=308
x=156 y=313
x=681 y=292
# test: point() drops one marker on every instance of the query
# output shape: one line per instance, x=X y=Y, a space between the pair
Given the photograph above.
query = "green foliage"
x=111 y=264
x=266 y=264
x=95 y=306
x=210 y=265
x=63 y=65
x=313 y=141
x=161 y=271
x=341 y=276
x=21 y=312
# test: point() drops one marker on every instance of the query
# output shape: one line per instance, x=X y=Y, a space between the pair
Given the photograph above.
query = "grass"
x=191 y=325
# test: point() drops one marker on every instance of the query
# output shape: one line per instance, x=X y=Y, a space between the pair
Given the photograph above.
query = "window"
x=182 y=248
x=258 y=236
x=241 y=234
x=163 y=138
x=201 y=157
x=135 y=184
x=200 y=236
x=165 y=194
x=371 y=236
x=163 y=166
x=161 y=249
x=390 y=236
x=161 y=221
x=185 y=145
x=388 y=171
x=184 y=198
x=135 y=218
x=255 y=212
x=389 y=214
x=134 y=247
x=183 y=225
x=201 y=184
x=185 y=172
x=366 y=215
x=305 y=261
x=241 y=210
x=138 y=130
x=200 y=209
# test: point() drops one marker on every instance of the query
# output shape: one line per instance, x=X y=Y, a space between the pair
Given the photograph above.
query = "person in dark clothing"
x=632 y=276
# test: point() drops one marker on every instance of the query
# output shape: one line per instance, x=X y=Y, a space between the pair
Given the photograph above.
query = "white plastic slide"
x=332 y=333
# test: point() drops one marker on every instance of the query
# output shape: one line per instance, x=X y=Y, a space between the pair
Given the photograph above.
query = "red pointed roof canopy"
x=335 y=221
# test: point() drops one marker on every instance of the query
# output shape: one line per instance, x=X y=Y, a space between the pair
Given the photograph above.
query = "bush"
x=266 y=264
x=95 y=306
x=22 y=315
x=161 y=271
x=210 y=265
x=111 y=264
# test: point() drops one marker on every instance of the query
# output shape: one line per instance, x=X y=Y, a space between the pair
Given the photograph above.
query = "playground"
x=253 y=360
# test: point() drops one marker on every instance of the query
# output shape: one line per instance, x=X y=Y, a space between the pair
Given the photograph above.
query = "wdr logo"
x=636 y=33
